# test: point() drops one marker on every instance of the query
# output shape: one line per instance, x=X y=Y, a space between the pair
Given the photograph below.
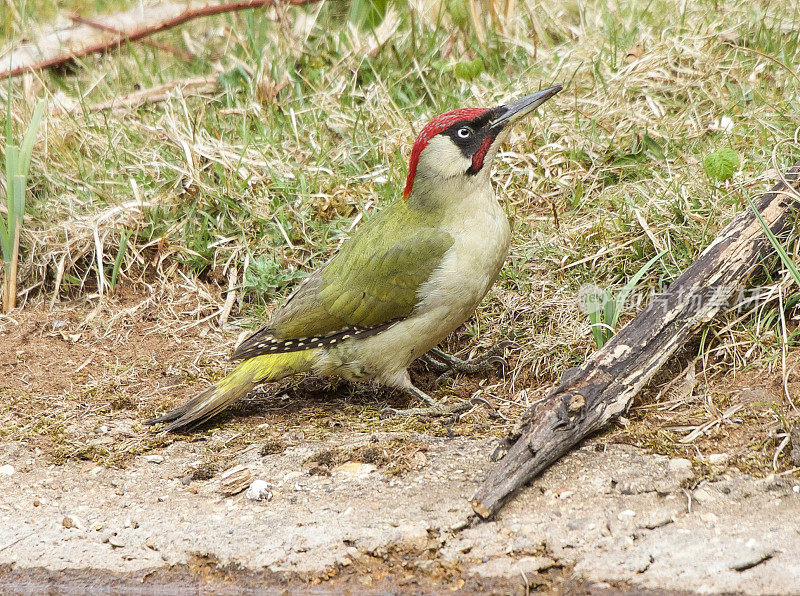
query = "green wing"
x=371 y=281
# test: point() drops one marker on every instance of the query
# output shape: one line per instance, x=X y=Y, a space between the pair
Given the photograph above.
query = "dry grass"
x=231 y=194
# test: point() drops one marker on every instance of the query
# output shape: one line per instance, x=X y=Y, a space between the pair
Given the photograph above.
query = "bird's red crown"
x=430 y=130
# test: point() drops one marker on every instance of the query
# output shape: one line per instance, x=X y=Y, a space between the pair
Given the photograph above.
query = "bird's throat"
x=448 y=197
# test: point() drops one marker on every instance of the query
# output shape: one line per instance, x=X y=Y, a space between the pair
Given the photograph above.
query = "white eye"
x=464 y=133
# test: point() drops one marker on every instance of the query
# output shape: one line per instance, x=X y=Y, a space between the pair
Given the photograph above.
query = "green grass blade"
x=12 y=159
x=26 y=149
x=773 y=240
x=598 y=304
x=619 y=302
x=19 y=203
x=595 y=324
x=123 y=245
x=5 y=240
x=9 y=131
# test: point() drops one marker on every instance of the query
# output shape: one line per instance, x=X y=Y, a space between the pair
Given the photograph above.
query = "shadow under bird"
x=405 y=280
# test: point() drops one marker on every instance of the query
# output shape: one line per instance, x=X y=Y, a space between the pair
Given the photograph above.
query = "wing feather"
x=371 y=283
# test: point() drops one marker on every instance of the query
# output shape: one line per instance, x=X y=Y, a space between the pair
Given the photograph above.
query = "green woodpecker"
x=405 y=280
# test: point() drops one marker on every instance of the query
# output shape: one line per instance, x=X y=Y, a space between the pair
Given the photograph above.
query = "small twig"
x=187 y=15
x=85 y=364
x=16 y=541
x=688 y=500
x=76 y=18
x=767 y=57
x=784 y=345
x=701 y=429
x=60 y=268
x=779 y=450
x=225 y=311
x=157 y=94
x=555 y=216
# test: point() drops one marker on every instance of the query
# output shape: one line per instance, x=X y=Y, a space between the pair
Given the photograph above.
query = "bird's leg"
x=434 y=407
x=448 y=365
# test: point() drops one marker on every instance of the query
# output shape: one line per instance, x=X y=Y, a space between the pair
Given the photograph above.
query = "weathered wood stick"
x=135 y=35
x=188 y=56
x=600 y=390
x=152 y=95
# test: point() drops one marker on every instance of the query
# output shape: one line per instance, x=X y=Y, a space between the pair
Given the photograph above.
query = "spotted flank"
x=264 y=342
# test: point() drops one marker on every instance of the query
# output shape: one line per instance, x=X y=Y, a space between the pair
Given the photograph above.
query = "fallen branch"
x=75 y=18
x=151 y=95
x=142 y=32
x=590 y=396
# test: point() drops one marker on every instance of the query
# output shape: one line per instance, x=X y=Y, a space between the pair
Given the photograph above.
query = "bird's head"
x=464 y=142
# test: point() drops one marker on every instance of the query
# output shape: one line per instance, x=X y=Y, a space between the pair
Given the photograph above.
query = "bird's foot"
x=434 y=408
x=448 y=365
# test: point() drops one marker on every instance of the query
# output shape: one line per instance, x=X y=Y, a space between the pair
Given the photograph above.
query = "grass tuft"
x=17 y=164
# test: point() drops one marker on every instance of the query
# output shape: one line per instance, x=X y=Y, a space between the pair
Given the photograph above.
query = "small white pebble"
x=723 y=124
x=679 y=463
x=259 y=490
x=565 y=495
x=7 y=470
x=625 y=514
x=708 y=517
x=154 y=459
x=796 y=488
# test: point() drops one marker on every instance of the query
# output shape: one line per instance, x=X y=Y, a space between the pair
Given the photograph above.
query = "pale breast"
x=481 y=237
x=472 y=264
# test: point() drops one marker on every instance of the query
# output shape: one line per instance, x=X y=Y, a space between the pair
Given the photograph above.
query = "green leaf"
x=457 y=9
x=469 y=69
x=721 y=164
x=653 y=147
x=8 y=113
x=604 y=309
x=264 y=275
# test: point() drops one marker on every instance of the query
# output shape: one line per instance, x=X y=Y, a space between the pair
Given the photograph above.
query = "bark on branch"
x=145 y=31
x=590 y=396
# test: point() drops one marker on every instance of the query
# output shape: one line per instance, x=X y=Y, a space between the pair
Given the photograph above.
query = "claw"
x=475 y=400
x=507 y=343
x=498 y=360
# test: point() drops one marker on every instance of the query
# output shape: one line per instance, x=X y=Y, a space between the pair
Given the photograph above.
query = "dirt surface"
x=90 y=497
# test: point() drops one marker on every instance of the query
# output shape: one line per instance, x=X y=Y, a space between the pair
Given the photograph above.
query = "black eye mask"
x=476 y=145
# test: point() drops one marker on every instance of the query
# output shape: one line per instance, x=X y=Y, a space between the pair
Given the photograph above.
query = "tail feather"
x=240 y=382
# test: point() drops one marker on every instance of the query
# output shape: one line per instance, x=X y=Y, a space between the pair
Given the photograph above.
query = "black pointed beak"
x=523 y=106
